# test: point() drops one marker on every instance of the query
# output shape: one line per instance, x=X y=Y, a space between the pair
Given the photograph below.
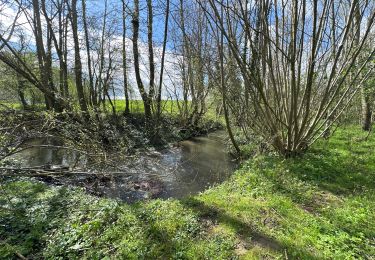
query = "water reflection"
x=187 y=168
x=49 y=152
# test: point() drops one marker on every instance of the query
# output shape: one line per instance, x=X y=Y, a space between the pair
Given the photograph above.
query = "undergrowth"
x=320 y=206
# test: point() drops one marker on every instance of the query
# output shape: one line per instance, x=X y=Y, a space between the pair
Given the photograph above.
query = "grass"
x=169 y=107
x=136 y=106
x=320 y=206
x=11 y=105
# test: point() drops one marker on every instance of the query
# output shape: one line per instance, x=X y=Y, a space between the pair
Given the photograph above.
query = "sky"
x=95 y=9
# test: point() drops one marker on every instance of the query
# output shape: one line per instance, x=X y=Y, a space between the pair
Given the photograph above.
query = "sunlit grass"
x=320 y=206
x=136 y=106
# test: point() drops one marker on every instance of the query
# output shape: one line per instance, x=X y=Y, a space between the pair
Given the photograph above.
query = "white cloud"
x=171 y=79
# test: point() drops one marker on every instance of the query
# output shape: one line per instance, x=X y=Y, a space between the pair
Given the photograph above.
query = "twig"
x=20 y=256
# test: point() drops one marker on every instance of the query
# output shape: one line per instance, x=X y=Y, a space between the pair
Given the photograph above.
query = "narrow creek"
x=189 y=167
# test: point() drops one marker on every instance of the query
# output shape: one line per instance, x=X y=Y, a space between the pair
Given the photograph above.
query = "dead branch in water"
x=43 y=172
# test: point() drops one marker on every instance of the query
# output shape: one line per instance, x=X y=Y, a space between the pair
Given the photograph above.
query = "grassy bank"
x=320 y=206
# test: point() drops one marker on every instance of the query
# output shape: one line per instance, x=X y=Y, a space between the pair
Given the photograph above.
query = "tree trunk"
x=366 y=110
x=87 y=41
x=21 y=93
x=162 y=59
x=150 y=51
x=145 y=97
x=365 y=99
x=124 y=61
x=183 y=65
x=77 y=58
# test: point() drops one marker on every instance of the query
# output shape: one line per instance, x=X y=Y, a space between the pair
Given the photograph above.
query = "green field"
x=136 y=106
x=320 y=206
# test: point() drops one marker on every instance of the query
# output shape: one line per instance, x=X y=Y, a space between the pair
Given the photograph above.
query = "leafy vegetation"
x=316 y=207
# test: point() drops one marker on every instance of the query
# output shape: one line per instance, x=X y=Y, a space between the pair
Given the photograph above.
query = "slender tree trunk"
x=327 y=131
x=124 y=60
x=106 y=85
x=162 y=58
x=101 y=87
x=88 y=53
x=145 y=97
x=77 y=58
x=366 y=110
x=59 y=52
x=184 y=76
x=60 y=46
x=150 y=51
x=65 y=56
x=21 y=93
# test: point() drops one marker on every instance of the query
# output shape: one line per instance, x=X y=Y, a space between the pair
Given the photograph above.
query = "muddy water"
x=186 y=168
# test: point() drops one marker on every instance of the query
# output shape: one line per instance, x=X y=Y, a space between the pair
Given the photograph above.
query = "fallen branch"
x=38 y=172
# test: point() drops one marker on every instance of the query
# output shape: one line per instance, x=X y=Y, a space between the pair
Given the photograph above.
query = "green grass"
x=136 y=106
x=170 y=107
x=320 y=206
x=11 y=105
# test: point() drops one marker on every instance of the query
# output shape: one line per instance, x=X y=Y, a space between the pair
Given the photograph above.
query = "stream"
x=186 y=168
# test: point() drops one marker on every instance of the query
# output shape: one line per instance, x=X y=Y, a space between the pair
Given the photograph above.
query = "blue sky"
x=115 y=7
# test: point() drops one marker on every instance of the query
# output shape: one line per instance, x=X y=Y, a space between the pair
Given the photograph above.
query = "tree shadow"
x=242 y=229
x=159 y=238
x=25 y=220
x=348 y=163
x=327 y=178
x=340 y=173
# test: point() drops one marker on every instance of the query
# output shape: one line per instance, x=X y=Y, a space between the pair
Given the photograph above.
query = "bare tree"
x=44 y=57
x=300 y=81
x=196 y=47
x=220 y=44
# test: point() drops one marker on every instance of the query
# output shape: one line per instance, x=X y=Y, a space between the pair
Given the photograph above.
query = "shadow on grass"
x=335 y=185
x=343 y=170
x=157 y=238
x=341 y=174
x=25 y=220
x=242 y=229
